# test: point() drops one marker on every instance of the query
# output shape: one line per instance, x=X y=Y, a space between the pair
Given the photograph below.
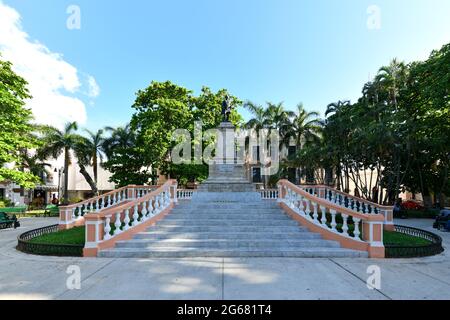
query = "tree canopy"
x=15 y=126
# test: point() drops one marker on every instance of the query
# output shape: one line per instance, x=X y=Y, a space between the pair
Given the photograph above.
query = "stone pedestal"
x=226 y=172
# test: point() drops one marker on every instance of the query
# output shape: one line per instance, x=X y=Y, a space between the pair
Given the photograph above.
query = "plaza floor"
x=24 y=276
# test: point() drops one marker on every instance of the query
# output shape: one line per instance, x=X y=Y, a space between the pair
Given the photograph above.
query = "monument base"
x=227 y=179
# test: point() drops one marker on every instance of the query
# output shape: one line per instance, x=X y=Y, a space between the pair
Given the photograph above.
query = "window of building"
x=292 y=150
x=256 y=175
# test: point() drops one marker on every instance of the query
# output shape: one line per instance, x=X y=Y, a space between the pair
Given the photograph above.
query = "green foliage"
x=15 y=125
x=398 y=132
x=162 y=108
x=6 y=203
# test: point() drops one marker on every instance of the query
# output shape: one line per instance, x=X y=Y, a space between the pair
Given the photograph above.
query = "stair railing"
x=185 y=194
x=353 y=230
x=269 y=194
x=69 y=216
x=106 y=227
x=351 y=202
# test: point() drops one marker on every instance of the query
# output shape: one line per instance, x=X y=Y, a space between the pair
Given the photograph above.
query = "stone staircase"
x=228 y=229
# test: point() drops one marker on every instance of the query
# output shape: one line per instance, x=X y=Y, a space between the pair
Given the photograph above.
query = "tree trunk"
x=88 y=178
x=65 y=199
x=95 y=168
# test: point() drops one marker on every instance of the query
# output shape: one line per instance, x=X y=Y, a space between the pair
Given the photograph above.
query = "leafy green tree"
x=164 y=107
x=15 y=127
x=123 y=160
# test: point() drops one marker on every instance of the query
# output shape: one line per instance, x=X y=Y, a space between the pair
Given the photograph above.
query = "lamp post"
x=60 y=172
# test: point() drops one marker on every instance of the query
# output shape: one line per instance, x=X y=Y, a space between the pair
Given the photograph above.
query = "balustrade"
x=359 y=230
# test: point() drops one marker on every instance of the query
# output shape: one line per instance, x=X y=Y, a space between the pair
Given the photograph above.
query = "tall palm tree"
x=278 y=117
x=391 y=77
x=336 y=107
x=259 y=117
x=94 y=142
x=57 y=142
x=306 y=127
x=121 y=137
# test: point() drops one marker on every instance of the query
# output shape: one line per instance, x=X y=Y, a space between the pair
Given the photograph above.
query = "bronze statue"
x=227 y=108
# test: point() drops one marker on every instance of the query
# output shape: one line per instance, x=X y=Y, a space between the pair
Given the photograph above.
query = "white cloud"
x=52 y=81
x=94 y=89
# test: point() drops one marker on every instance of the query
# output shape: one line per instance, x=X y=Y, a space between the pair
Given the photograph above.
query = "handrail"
x=185 y=194
x=70 y=213
x=320 y=186
x=268 y=194
x=105 y=227
x=355 y=230
x=352 y=202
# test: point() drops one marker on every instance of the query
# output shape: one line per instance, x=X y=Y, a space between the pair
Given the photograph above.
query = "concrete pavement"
x=32 y=277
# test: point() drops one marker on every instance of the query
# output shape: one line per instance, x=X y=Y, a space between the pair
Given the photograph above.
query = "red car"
x=411 y=205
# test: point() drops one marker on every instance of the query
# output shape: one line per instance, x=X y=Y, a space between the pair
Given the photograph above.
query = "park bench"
x=51 y=210
x=19 y=209
x=8 y=222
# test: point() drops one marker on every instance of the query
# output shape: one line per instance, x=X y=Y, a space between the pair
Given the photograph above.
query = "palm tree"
x=306 y=127
x=278 y=117
x=57 y=142
x=258 y=121
x=35 y=165
x=85 y=153
x=336 y=107
x=94 y=144
x=121 y=137
x=391 y=77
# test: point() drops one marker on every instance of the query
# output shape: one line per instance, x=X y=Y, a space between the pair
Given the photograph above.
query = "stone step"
x=226 y=222
x=243 y=228
x=227 y=216
x=226 y=243
x=159 y=235
x=220 y=206
x=233 y=253
x=227 y=211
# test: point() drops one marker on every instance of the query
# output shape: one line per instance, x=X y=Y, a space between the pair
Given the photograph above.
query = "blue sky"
x=314 y=52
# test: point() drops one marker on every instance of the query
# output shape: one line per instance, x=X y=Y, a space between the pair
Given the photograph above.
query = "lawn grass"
x=400 y=239
x=72 y=236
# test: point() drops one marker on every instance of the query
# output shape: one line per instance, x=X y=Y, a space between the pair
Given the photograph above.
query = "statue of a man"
x=226 y=108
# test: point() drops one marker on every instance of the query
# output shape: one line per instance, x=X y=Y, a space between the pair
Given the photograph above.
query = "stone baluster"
x=308 y=209
x=333 y=219
x=144 y=211
x=356 y=233
x=73 y=213
x=135 y=216
x=119 y=197
x=344 y=225
x=301 y=205
x=97 y=205
x=127 y=220
x=324 y=215
x=315 y=214
x=117 y=224
x=107 y=228
x=152 y=206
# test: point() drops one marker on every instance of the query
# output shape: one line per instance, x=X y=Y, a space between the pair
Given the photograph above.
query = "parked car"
x=412 y=205
x=443 y=220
